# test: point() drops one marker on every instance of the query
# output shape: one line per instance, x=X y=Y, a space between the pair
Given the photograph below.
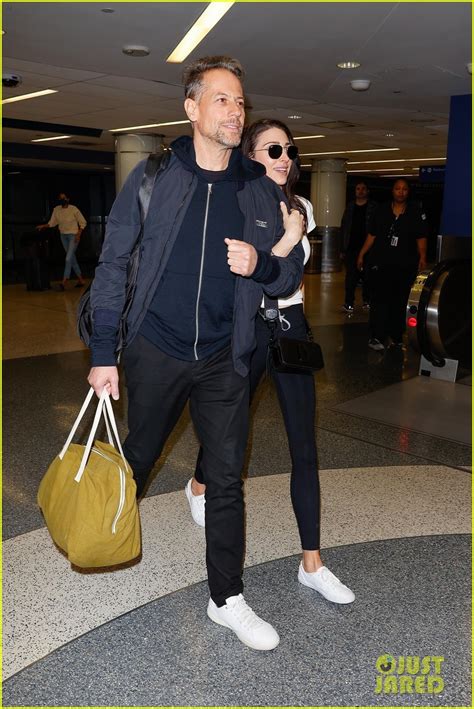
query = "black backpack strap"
x=156 y=162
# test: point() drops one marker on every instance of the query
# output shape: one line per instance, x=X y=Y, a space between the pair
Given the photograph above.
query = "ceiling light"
x=306 y=164
x=214 y=12
x=340 y=152
x=44 y=140
x=24 y=97
x=307 y=137
x=107 y=10
x=389 y=135
x=150 y=125
x=3 y=32
x=351 y=171
x=469 y=67
x=404 y=176
x=348 y=65
x=384 y=169
x=295 y=117
x=370 y=162
x=135 y=50
x=360 y=84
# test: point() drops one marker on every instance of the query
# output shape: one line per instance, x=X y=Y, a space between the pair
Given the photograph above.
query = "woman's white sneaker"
x=326 y=584
x=249 y=628
x=197 y=505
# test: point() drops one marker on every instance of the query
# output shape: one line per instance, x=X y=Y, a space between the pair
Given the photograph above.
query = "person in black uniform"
x=397 y=241
x=354 y=229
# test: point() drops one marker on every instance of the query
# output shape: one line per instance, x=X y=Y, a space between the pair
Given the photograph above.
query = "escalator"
x=439 y=313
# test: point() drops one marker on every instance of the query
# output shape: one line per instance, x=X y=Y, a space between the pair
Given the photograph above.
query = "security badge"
x=394 y=241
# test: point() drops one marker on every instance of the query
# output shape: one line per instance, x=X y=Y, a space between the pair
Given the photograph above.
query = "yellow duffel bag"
x=88 y=497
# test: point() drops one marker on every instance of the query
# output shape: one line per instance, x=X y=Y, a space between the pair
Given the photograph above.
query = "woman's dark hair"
x=249 y=141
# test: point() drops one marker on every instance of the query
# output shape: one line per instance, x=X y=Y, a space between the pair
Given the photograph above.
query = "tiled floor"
x=395 y=527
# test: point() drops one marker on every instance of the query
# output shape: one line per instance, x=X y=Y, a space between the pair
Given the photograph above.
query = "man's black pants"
x=353 y=276
x=390 y=287
x=158 y=388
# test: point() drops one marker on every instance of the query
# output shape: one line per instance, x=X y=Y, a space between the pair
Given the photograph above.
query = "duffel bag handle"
x=104 y=407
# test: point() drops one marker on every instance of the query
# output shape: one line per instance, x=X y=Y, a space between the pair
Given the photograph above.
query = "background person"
x=271 y=143
x=71 y=224
x=397 y=242
x=354 y=228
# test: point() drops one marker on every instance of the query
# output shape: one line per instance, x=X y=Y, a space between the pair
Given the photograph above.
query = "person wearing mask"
x=271 y=143
x=206 y=262
x=354 y=229
x=396 y=248
x=71 y=224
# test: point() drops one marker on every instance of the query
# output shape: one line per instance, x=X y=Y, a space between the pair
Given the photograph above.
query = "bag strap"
x=76 y=423
x=103 y=406
x=156 y=162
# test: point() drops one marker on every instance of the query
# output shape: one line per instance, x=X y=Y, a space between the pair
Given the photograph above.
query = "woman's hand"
x=293 y=221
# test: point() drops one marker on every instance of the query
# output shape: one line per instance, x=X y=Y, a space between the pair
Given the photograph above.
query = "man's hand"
x=40 y=227
x=241 y=257
x=360 y=262
x=104 y=377
x=77 y=238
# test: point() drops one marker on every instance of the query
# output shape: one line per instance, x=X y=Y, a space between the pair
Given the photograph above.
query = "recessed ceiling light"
x=24 y=97
x=3 y=32
x=214 y=12
x=469 y=67
x=348 y=65
x=45 y=140
x=150 y=125
x=135 y=50
x=295 y=117
x=389 y=135
x=307 y=137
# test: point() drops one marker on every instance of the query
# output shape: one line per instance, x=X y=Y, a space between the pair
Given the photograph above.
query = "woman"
x=71 y=224
x=397 y=241
x=271 y=143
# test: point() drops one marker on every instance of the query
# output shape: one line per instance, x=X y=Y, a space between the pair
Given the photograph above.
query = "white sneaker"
x=249 y=628
x=326 y=584
x=197 y=505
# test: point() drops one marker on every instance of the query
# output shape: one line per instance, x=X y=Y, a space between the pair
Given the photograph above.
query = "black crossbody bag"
x=287 y=355
x=155 y=164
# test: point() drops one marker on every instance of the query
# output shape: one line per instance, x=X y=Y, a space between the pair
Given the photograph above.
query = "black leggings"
x=296 y=395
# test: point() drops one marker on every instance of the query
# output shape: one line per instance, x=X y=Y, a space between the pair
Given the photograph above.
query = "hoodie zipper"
x=122 y=488
x=204 y=231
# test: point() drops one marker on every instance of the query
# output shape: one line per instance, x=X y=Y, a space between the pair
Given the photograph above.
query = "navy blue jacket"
x=259 y=201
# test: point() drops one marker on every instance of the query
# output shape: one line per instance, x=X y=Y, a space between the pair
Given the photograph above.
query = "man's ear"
x=191 y=108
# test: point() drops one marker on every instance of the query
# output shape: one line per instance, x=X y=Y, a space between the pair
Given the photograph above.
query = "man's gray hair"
x=193 y=74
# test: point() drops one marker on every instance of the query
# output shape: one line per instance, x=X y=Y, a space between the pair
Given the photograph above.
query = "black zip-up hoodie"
x=172 y=195
x=191 y=314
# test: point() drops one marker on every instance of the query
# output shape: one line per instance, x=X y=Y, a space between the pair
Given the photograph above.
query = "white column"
x=129 y=150
x=328 y=197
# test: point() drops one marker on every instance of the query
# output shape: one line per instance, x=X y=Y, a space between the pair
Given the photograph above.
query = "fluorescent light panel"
x=45 y=140
x=307 y=137
x=24 y=97
x=150 y=125
x=345 y=152
x=214 y=12
x=371 y=162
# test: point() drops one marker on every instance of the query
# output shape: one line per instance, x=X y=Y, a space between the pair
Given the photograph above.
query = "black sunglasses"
x=276 y=151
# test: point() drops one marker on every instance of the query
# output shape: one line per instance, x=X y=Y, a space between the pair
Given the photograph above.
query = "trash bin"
x=313 y=265
x=35 y=245
x=331 y=248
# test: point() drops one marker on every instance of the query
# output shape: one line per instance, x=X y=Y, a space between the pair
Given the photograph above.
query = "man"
x=71 y=224
x=354 y=227
x=211 y=224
